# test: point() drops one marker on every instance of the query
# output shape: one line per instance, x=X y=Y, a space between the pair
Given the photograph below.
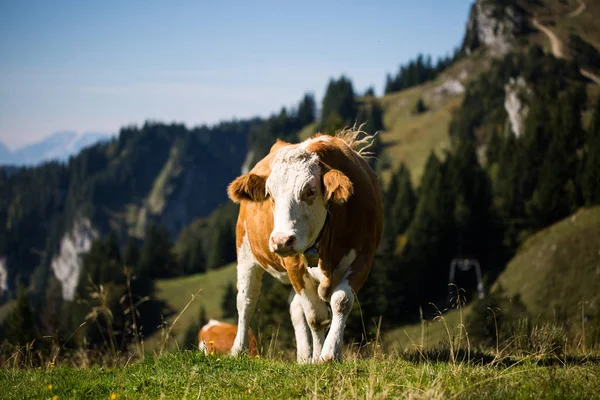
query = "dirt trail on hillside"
x=578 y=10
x=557 y=45
x=554 y=41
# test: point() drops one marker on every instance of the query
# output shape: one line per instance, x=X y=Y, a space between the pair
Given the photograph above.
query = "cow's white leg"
x=202 y=347
x=316 y=313
x=303 y=345
x=342 y=300
x=249 y=280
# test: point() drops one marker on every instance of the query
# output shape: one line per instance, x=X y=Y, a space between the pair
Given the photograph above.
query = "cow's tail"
x=359 y=140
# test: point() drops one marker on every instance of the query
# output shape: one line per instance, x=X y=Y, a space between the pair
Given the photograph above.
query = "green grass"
x=193 y=375
x=426 y=335
x=178 y=292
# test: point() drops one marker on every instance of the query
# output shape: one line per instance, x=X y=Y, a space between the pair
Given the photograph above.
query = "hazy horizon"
x=95 y=67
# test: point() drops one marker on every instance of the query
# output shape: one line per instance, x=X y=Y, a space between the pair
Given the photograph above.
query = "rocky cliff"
x=494 y=25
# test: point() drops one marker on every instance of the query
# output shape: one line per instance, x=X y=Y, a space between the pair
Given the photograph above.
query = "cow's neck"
x=312 y=254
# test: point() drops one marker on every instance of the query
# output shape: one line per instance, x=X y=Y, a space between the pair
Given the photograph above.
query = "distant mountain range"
x=58 y=146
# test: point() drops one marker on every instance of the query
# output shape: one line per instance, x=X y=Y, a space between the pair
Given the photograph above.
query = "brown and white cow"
x=218 y=337
x=311 y=214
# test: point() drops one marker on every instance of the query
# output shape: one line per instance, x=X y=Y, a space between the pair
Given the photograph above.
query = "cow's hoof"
x=328 y=358
x=236 y=351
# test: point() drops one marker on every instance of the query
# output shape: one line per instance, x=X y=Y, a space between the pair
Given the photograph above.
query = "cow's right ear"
x=250 y=187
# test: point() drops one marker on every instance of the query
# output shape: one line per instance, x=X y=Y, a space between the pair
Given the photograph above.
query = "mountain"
x=59 y=146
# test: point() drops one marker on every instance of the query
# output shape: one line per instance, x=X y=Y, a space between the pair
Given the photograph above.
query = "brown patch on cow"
x=338 y=187
x=219 y=337
x=296 y=269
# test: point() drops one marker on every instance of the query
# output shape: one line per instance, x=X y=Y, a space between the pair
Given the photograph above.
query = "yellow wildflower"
x=50 y=387
x=113 y=396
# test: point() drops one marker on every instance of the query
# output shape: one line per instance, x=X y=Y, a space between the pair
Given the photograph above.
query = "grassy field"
x=191 y=375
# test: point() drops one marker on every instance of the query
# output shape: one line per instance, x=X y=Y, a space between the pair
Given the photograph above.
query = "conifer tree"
x=590 y=174
x=307 y=110
x=229 y=303
x=131 y=254
x=156 y=257
x=20 y=326
x=339 y=105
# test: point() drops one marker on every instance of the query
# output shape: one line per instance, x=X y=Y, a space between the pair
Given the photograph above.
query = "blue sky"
x=99 y=65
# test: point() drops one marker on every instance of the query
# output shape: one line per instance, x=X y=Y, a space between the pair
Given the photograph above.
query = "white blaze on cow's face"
x=299 y=206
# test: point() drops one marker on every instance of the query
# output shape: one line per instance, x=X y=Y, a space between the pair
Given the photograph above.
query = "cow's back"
x=217 y=338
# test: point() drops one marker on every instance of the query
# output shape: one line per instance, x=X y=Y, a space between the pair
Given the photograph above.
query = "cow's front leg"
x=249 y=280
x=303 y=343
x=317 y=315
x=342 y=300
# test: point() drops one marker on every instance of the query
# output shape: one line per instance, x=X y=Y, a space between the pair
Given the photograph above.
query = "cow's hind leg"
x=249 y=280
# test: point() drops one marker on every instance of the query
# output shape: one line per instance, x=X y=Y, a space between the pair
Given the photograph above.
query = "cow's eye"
x=311 y=192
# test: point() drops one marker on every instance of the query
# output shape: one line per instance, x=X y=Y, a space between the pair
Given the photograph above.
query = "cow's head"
x=300 y=188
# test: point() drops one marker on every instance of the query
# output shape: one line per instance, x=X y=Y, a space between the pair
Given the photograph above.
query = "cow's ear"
x=250 y=187
x=338 y=187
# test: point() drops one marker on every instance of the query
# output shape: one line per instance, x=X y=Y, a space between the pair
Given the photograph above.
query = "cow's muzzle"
x=282 y=244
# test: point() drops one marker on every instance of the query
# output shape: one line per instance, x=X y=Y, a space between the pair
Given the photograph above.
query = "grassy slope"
x=558 y=266
x=410 y=138
x=192 y=375
x=556 y=269
x=178 y=292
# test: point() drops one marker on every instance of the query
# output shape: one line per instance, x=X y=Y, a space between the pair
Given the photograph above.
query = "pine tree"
x=405 y=202
x=20 y=326
x=339 y=103
x=494 y=147
x=131 y=255
x=229 y=303
x=419 y=107
x=222 y=249
x=430 y=240
x=307 y=110
x=550 y=201
x=590 y=174
x=156 y=257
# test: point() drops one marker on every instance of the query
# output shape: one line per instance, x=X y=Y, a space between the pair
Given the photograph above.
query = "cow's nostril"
x=290 y=241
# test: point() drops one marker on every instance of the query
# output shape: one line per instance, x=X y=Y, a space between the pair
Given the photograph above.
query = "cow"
x=311 y=214
x=217 y=337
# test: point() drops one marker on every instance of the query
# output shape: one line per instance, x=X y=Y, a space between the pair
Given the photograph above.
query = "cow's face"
x=299 y=189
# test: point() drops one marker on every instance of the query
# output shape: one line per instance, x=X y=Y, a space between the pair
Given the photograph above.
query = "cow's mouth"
x=286 y=252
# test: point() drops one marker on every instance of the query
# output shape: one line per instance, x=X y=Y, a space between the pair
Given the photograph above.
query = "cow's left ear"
x=250 y=187
x=338 y=187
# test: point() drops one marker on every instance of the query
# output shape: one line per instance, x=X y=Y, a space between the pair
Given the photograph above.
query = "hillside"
x=554 y=274
x=155 y=173
x=556 y=271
